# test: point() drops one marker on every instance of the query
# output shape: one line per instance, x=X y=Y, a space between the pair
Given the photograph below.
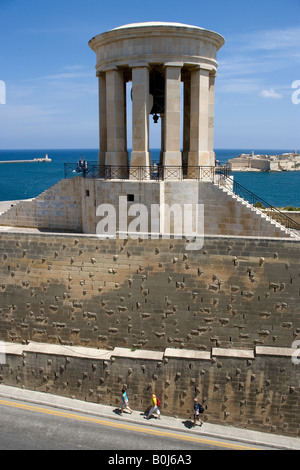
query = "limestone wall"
x=254 y=389
x=71 y=205
x=294 y=215
x=57 y=208
x=247 y=163
x=219 y=323
x=234 y=292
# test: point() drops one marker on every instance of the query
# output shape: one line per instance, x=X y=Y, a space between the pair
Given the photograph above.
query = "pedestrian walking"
x=125 y=402
x=197 y=410
x=155 y=403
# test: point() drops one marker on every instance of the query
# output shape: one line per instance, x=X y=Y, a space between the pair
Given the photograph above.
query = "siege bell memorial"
x=157 y=58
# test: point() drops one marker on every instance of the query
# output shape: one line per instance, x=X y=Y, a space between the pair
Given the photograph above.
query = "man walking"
x=197 y=408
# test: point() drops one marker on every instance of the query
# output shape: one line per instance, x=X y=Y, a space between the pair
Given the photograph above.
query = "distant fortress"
x=251 y=162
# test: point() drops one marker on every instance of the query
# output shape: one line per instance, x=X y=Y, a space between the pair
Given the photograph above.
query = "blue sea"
x=28 y=180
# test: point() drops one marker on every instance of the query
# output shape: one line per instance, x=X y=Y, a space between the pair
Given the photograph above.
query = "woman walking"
x=125 y=402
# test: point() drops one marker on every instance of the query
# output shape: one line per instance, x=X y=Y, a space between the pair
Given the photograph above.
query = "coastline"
x=257 y=170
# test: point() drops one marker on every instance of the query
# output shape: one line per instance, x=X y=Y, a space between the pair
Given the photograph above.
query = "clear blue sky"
x=49 y=69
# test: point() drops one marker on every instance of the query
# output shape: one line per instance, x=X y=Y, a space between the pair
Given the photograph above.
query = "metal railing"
x=154 y=172
x=232 y=186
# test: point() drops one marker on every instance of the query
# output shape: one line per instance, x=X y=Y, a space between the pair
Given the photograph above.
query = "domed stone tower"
x=157 y=58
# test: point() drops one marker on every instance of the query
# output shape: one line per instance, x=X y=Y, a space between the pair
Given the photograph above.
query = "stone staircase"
x=226 y=213
x=58 y=207
x=270 y=222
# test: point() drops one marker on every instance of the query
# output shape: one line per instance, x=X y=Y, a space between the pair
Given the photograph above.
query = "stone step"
x=257 y=211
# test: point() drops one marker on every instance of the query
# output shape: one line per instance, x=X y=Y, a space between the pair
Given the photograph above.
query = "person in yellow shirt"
x=154 y=408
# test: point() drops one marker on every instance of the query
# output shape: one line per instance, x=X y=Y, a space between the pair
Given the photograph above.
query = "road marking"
x=129 y=427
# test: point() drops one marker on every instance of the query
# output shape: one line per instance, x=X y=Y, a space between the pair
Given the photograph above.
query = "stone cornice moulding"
x=191 y=62
x=156 y=29
x=18 y=349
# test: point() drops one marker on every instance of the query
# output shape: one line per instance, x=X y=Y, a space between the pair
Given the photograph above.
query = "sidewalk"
x=166 y=422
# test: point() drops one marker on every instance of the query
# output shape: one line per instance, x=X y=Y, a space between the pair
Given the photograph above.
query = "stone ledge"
x=47 y=233
x=238 y=353
x=16 y=349
x=271 y=351
x=187 y=354
x=138 y=354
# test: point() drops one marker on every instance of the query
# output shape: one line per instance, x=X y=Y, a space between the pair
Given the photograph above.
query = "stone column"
x=102 y=118
x=162 y=139
x=116 y=119
x=172 y=153
x=186 y=118
x=211 y=114
x=140 y=155
x=199 y=136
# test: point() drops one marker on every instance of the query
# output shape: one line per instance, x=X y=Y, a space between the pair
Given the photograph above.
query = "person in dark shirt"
x=197 y=408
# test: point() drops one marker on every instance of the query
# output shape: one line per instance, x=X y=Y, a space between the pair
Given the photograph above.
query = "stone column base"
x=172 y=162
x=118 y=161
x=172 y=158
x=202 y=159
x=101 y=158
x=140 y=158
x=140 y=163
x=116 y=158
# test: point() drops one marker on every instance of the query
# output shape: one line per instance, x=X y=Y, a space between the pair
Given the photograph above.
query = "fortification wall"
x=71 y=205
x=234 y=292
x=254 y=389
x=219 y=323
x=57 y=208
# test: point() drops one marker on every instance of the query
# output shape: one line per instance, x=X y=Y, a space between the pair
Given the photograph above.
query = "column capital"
x=200 y=68
x=204 y=67
x=173 y=64
x=138 y=64
x=107 y=68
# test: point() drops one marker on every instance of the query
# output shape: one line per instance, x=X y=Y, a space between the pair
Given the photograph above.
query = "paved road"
x=37 y=420
x=28 y=426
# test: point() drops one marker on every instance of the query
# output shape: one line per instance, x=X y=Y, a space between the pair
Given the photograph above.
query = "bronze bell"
x=157 y=90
